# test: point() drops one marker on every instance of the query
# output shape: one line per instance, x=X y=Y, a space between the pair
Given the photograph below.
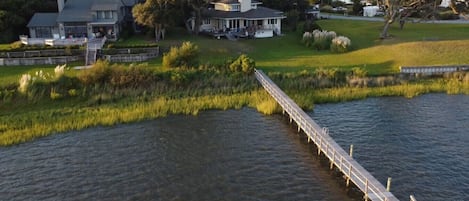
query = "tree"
x=401 y=9
x=15 y=14
x=155 y=14
x=197 y=6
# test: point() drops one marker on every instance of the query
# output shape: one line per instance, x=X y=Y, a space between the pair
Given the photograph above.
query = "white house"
x=83 y=18
x=241 y=18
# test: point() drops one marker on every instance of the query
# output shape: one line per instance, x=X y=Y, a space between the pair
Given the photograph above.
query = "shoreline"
x=23 y=125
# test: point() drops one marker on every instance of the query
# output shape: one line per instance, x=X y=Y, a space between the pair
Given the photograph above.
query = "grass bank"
x=129 y=93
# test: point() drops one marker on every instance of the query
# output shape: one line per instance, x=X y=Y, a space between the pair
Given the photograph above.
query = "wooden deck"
x=354 y=172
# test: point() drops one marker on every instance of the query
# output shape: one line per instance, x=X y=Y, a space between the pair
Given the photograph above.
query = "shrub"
x=243 y=64
x=16 y=45
x=72 y=92
x=323 y=39
x=447 y=15
x=25 y=82
x=326 y=8
x=308 y=39
x=359 y=72
x=55 y=95
x=59 y=70
x=98 y=74
x=185 y=56
x=340 y=44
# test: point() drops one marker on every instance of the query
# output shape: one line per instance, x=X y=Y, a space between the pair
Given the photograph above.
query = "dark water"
x=422 y=143
x=218 y=155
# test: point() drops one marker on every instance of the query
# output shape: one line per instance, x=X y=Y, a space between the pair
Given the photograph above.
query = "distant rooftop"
x=43 y=20
x=259 y=13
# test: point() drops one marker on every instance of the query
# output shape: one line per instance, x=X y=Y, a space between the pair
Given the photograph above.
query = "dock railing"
x=352 y=170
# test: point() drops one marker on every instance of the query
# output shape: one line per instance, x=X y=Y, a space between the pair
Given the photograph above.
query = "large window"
x=104 y=14
x=43 y=32
x=75 y=31
x=273 y=21
x=235 y=8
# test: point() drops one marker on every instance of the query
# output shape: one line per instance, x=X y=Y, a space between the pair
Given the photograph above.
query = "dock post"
x=319 y=147
x=332 y=161
x=412 y=198
x=366 y=190
x=351 y=151
x=388 y=186
x=347 y=184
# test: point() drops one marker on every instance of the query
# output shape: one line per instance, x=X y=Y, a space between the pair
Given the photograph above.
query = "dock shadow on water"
x=217 y=155
x=422 y=143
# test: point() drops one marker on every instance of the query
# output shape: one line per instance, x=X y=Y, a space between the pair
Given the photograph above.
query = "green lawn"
x=416 y=44
x=4 y=46
x=12 y=74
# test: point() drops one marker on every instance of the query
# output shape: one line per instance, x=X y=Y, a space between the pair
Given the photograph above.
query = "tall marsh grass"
x=17 y=128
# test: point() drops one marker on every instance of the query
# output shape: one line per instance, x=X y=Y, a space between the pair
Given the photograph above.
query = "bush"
x=447 y=15
x=326 y=9
x=340 y=44
x=16 y=45
x=98 y=74
x=323 y=39
x=185 y=56
x=308 y=39
x=243 y=64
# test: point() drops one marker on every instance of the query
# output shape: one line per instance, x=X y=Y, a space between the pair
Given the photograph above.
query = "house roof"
x=76 y=11
x=80 y=10
x=43 y=20
x=259 y=13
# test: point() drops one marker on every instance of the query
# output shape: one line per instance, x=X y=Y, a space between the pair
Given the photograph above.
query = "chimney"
x=60 y=5
x=245 y=5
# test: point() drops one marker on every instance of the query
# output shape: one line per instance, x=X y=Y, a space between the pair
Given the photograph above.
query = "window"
x=235 y=7
x=273 y=21
x=104 y=14
x=43 y=32
x=108 y=14
x=206 y=21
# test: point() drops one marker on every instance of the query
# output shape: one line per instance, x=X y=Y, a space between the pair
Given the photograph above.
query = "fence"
x=38 y=60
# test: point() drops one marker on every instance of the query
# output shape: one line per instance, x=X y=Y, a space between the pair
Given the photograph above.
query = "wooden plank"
x=369 y=185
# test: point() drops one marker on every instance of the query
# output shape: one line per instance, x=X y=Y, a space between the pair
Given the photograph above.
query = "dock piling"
x=388 y=186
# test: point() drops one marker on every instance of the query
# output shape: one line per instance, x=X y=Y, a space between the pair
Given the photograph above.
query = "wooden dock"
x=352 y=170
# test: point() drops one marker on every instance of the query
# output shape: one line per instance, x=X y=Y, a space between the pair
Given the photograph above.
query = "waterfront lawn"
x=12 y=74
x=416 y=44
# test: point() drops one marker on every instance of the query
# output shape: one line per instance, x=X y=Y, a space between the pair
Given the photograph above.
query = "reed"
x=36 y=122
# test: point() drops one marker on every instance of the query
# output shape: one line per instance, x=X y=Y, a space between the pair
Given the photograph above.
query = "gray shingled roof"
x=81 y=10
x=76 y=11
x=43 y=20
x=259 y=13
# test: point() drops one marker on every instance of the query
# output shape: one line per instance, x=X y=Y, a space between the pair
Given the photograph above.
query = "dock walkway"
x=353 y=171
